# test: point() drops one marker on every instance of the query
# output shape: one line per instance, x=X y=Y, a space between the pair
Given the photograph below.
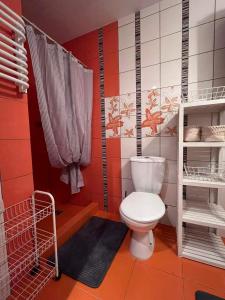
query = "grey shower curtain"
x=64 y=90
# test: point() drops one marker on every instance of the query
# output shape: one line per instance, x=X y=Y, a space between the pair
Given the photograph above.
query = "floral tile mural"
x=150 y=100
x=170 y=100
x=159 y=113
x=129 y=127
x=151 y=113
x=128 y=105
x=128 y=113
x=113 y=119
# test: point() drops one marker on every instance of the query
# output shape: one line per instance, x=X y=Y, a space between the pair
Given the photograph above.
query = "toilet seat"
x=142 y=207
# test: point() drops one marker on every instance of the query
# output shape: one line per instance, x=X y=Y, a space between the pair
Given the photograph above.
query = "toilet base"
x=142 y=244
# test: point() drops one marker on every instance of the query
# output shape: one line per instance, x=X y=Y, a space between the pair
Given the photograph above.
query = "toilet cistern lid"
x=143 y=207
x=148 y=159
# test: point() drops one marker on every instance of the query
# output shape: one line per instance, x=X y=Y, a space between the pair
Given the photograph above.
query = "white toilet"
x=142 y=209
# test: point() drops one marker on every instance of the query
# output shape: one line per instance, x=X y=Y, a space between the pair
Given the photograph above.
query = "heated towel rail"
x=13 y=55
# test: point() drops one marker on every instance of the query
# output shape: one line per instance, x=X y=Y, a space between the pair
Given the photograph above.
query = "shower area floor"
x=68 y=221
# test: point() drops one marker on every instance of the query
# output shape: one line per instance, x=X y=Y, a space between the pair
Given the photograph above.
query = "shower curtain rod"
x=54 y=41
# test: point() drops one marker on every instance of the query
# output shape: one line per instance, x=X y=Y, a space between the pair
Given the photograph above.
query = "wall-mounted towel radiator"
x=13 y=55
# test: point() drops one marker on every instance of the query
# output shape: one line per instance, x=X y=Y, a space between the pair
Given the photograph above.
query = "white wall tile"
x=220 y=34
x=126 y=36
x=168 y=3
x=201 y=11
x=170 y=217
x=150 y=53
x=126 y=20
x=199 y=119
x=219 y=63
x=171 y=73
x=201 y=67
x=200 y=85
x=219 y=82
x=127 y=82
x=171 y=47
x=151 y=146
x=169 y=146
x=170 y=92
x=126 y=168
x=128 y=147
x=171 y=20
x=150 y=77
x=220 y=9
x=201 y=38
x=150 y=28
x=127 y=59
x=147 y=11
x=197 y=193
x=198 y=154
x=127 y=187
x=169 y=194
x=171 y=171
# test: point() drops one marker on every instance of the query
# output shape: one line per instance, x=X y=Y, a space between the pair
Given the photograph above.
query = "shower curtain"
x=4 y=270
x=64 y=90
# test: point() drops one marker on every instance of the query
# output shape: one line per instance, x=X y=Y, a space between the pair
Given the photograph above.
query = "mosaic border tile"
x=103 y=127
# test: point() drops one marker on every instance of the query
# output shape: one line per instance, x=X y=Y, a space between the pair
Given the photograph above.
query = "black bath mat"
x=205 y=296
x=88 y=254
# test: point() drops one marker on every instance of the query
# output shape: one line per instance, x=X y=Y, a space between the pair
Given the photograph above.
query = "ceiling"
x=64 y=20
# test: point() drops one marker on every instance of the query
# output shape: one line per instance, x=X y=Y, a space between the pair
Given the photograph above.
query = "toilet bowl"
x=142 y=209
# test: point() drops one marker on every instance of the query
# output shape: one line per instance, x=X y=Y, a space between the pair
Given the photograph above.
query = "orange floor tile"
x=163 y=277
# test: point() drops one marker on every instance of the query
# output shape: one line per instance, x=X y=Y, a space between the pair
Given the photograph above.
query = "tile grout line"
x=103 y=129
x=138 y=81
x=151 y=14
x=129 y=279
x=21 y=176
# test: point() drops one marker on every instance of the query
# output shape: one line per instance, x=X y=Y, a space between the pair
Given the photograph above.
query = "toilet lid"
x=142 y=207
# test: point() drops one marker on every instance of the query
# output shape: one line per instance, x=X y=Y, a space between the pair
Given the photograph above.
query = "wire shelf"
x=206 y=94
x=24 y=245
x=32 y=282
x=19 y=217
x=208 y=173
x=204 y=214
x=21 y=251
x=205 y=247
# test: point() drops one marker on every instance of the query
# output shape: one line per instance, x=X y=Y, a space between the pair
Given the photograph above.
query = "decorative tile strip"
x=138 y=80
x=102 y=99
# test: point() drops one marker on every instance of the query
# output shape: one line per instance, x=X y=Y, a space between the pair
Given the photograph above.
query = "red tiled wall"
x=86 y=49
x=15 y=152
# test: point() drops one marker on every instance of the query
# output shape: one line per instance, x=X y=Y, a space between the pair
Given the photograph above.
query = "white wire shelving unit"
x=27 y=270
x=201 y=224
x=13 y=55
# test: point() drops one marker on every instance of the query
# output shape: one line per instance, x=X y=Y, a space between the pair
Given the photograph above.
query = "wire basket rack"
x=23 y=246
x=208 y=173
x=206 y=94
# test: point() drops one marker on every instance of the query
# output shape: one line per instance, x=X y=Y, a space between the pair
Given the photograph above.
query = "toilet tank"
x=147 y=173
